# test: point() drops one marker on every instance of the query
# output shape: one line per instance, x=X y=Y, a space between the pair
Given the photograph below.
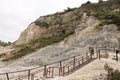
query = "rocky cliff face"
x=32 y=32
x=73 y=20
x=51 y=25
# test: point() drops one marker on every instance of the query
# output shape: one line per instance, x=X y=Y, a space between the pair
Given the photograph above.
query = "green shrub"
x=41 y=24
x=112 y=74
x=68 y=9
x=42 y=42
x=116 y=75
x=100 y=26
x=100 y=1
x=111 y=17
x=118 y=28
x=22 y=52
x=2 y=43
x=88 y=2
x=25 y=50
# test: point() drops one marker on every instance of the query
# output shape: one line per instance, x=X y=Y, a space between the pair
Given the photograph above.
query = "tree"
x=2 y=43
x=100 y=1
x=88 y=2
x=68 y=9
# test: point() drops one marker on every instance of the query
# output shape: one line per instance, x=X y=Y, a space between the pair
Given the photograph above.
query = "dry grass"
x=104 y=55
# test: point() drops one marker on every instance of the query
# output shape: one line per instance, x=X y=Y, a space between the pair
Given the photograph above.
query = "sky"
x=16 y=15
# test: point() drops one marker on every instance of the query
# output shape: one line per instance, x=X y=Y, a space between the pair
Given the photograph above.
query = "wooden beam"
x=68 y=69
x=99 y=54
x=7 y=76
x=117 y=55
x=82 y=59
x=86 y=56
x=32 y=76
x=60 y=69
x=63 y=71
x=45 y=71
x=52 y=71
x=74 y=62
x=28 y=74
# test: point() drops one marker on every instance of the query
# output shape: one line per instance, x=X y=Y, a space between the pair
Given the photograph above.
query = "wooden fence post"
x=91 y=51
x=60 y=69
x=78 y=64
x=32 y=76
x=91 y=55
x=52 y=71
x=99 y=53
x=68 y=69
x=60 y=64
x=74 y=63
x=7 y=76
x=86 y=56
x=63 y=71
x=45 y=71
x=82 y=59
x=49 y=70
x=96 y=49
x=28 y=74
x=117 y=55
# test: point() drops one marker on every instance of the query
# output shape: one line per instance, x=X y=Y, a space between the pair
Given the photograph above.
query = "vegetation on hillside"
x=23 y=50
x=42 y=42
x=59 y=18
x=106 y=11
x=2 y=43
x=42 y=24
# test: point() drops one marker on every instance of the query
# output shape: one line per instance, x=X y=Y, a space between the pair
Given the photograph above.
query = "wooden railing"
x=59 y=68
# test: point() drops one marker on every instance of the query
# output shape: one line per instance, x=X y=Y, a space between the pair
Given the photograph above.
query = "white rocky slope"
x=32 y=32
x=85 y=35
x=6 y=50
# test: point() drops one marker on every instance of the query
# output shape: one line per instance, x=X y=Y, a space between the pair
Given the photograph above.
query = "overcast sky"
x=16 y=15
